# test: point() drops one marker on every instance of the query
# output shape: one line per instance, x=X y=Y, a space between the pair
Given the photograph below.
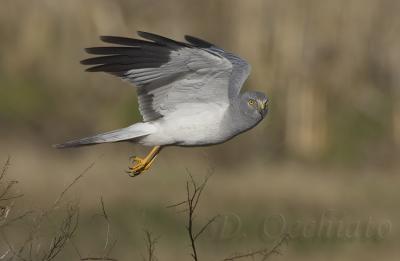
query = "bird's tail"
x=134 y=131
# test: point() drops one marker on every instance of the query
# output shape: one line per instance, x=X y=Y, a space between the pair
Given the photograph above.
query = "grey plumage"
x=131 y=132
x=188 y=93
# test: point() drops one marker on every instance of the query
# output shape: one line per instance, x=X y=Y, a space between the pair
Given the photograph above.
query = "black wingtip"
x=92 y=69
x=89 y=50
x=104 y=38
x=198 y=42
x=119 y=40
x=155 y=37
x=84 y=62
x=111 y=39
x=97 y=68
x=114 y=39
x=161 y=39
x=145 y=34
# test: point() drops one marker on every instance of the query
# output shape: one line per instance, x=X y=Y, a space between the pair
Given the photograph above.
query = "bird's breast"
x=191 y=125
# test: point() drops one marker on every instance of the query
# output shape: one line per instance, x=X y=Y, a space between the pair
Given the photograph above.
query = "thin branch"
x=60 y=197
x=12 y=197
x=67 y=230
x=30 y=249
x=112 y=245
x=264 y=253
x=5 y=254
x=99 y=258
x=151 y=245
x=107 y=244
x=7 y=189
x=22 y=216
x=108 y=247
x=5 y=167
x=69 y=225
x=10 y=184
x=10 y=248
x=108 y=223
x=189 y=226
x=176 y=204
x=204 y=228
x=76 y=249
x=193 y=195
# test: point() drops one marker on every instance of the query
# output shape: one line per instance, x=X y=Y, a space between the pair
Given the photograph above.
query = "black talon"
x=130 y=173
x=132 y=158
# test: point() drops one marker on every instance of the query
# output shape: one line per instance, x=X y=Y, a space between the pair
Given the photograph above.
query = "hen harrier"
x=189 y=93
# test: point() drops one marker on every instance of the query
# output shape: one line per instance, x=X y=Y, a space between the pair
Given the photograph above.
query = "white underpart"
x=191 y=124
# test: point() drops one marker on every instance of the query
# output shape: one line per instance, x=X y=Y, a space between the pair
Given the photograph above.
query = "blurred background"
x=329 y=146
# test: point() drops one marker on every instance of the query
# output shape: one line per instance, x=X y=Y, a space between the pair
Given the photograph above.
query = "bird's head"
x=254 y=104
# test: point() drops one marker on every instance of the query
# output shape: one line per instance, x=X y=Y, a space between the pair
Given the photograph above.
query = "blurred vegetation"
x=330 y=141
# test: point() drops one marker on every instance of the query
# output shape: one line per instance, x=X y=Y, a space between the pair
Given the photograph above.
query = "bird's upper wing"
x=168 y=73
x=240 y=68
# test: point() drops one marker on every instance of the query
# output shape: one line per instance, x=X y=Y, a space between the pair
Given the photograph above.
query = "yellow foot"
x=138 y=166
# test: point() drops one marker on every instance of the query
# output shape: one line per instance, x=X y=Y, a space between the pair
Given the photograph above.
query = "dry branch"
x=151 y=246
x=32 y=249
x=65 y=233
x=98 y=258
x=263 y=253
x=107 y=246
x=193 y=195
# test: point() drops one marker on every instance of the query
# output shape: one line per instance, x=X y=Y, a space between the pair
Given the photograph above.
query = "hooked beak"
x=263 y=107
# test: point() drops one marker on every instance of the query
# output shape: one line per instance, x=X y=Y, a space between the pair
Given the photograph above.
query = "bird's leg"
x=139 y=165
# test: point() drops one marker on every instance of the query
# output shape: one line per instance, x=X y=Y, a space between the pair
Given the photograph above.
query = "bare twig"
x=99 y=258
x=5 y=196
x=108 y=247
x=205 y=226
x=76 y=249
x=11 y=197
x=5 y=168
x=20 y=217
x=76 y=179
x=193 y=194
x=150 y=244
x=108 y=223
x=3 y=256
x=56 y=203
x=66 y=231
x=263 y=253
x=30 y=248
x=11 y=249
x=177 y=204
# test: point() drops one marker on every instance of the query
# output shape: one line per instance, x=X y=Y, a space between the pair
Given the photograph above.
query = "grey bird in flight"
x=188 y=93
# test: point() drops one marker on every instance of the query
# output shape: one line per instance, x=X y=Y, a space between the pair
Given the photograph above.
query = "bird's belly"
x=195 y=127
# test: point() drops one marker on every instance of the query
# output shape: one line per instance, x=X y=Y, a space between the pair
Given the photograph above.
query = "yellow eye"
x=251 y=102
